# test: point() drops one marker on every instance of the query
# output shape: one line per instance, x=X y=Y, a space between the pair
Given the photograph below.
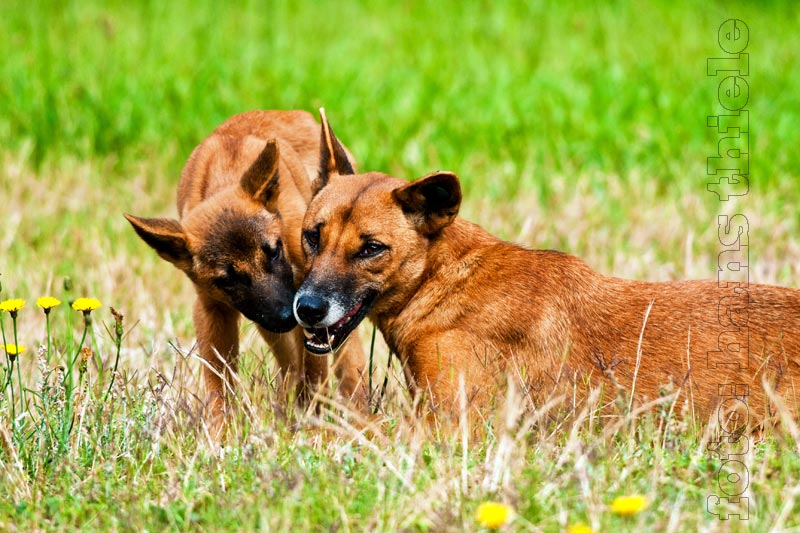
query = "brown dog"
x=241 y=198
x=452 y=299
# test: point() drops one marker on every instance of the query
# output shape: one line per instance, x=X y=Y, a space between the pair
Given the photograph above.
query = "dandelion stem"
x=47 y=325
x=22 y=404
x=13 y=402
x=68 y=375
x=9 y=378
x=19 y=363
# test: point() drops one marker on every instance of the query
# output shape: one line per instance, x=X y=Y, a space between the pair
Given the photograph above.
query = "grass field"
x=574 y=127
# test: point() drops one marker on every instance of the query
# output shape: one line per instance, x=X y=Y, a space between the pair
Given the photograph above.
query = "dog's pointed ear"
x=261 y=180
x=431 y=202
x=333 y=158
x=166 y=237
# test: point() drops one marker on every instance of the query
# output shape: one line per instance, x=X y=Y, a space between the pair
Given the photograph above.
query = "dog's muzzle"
x=327 y=323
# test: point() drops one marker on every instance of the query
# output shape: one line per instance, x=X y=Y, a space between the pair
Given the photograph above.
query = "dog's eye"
x=371 y=249
x=224 y=281
x=311 y=237
x=231 y=278
x=273 y=253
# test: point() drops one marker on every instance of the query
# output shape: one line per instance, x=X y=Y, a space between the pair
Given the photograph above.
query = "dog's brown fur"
x=452 y=299
x=241 y=198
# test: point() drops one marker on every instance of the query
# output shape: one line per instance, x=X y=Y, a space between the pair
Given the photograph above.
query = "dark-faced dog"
x=241 y=198
x=451 y=299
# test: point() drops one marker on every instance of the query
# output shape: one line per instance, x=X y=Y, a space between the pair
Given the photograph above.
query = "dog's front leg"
x=217 y=329
x=435 y=367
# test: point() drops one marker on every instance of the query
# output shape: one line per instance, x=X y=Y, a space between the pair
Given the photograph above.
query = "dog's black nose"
x=286 y=320
x=311 y=309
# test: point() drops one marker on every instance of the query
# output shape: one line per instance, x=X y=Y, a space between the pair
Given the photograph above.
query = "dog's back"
x=226 y=153
x=297 y=129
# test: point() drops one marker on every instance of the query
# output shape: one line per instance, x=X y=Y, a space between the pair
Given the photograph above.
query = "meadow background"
x=572 y=126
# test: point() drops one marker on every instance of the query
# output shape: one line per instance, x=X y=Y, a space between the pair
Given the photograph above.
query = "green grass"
x=575 y=127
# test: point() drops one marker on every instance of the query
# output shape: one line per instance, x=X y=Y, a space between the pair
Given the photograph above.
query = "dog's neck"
x=450 y=247
x=454 y=242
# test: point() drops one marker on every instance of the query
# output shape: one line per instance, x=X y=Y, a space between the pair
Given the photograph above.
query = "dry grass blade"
x=639 y=354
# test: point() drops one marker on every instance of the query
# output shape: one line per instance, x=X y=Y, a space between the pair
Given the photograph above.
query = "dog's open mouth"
x=322 y=341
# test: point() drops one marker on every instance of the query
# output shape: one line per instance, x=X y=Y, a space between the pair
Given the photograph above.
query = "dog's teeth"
x=308 y=334
x=317 y=345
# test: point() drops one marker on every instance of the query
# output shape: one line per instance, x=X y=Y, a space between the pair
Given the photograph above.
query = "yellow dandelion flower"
x=12 y=306
x=47 y=302
x=14 y=349
x=579 y=528
x=86 y=304
x=629 y=505
x=493 y=515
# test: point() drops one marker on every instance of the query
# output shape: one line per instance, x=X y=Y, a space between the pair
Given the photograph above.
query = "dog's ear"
x=332 y=156
x=261 y=180
x=166 y=237
x=431 y=202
